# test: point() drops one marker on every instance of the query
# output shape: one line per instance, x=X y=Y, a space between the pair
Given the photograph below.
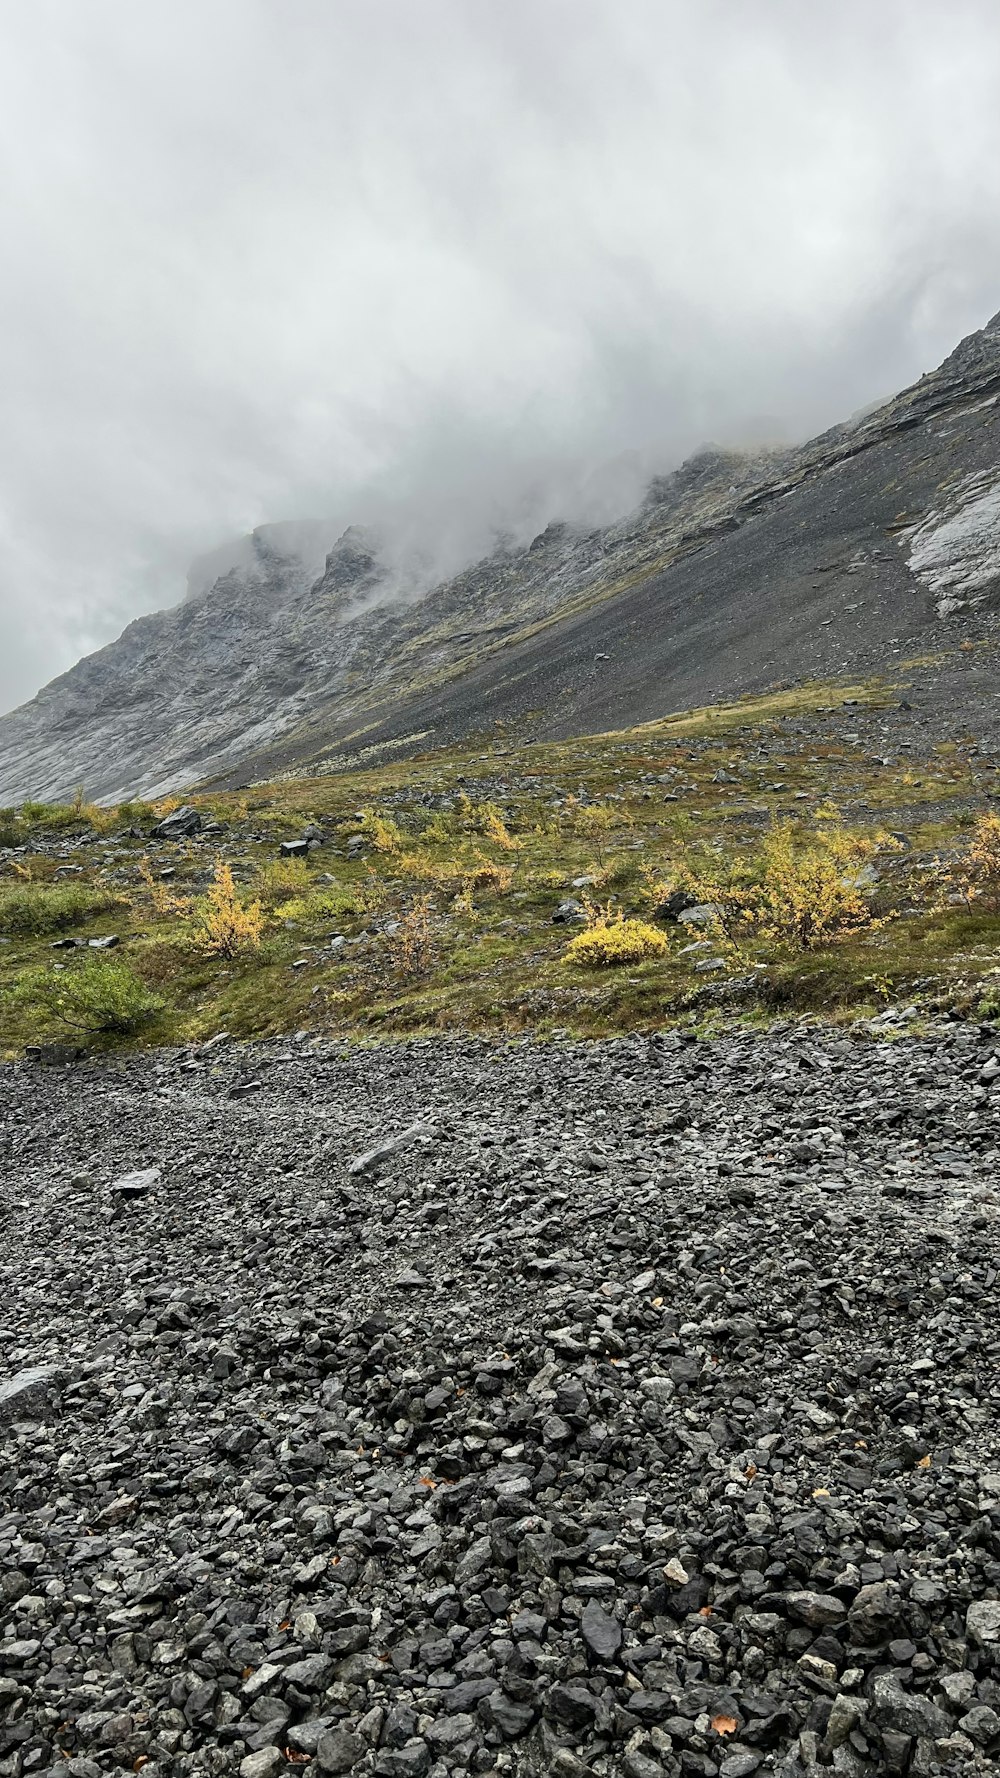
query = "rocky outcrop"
x=735 y=572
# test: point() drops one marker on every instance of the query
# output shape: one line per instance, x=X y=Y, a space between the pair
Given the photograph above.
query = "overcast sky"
x=268 y=259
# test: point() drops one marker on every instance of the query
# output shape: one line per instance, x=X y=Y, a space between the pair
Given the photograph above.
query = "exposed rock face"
x=735 y=572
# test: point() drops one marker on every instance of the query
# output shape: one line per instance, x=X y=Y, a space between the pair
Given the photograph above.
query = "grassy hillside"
x=845 y=854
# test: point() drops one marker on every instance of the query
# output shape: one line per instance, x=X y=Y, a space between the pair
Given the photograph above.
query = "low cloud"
x=452 y=269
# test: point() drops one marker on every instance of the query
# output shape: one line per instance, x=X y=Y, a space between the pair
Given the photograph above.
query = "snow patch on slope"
x=955 y=551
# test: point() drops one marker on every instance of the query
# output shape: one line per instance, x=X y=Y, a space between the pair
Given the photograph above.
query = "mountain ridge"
x=730 y=575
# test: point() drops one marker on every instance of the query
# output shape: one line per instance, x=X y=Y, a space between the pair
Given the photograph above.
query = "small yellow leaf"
x=821 y=1493
x=924 y=1462
x=724 y=1725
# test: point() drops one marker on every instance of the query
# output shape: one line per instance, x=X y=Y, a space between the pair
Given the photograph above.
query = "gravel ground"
x=636 y=1415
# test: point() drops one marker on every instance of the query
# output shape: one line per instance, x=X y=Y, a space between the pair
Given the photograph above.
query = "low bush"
x=381 y=832
x=328 y=903
x=226 y=924
x=793 y=889
x=493 y=827
x=281 y=877
x=50 y=815
x=612 y=940
x=487 y=874
x=978 y=872
x=99 y=995
x=440 y=831
x=33 y=909
x=409 y=943
x=163 y=899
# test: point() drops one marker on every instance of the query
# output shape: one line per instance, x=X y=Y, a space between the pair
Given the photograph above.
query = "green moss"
x=35 y=908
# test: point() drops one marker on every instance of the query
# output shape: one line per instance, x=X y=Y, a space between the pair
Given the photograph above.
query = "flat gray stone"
x=25 y=1395
x=136 y=1185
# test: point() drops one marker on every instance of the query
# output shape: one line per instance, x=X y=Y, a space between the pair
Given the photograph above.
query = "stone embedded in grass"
x=566 y=911
x=702 y=913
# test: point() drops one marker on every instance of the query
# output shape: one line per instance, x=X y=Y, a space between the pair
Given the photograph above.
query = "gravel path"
x=636 y=1415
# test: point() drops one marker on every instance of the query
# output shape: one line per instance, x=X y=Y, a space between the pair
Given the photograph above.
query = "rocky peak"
x=292 y=644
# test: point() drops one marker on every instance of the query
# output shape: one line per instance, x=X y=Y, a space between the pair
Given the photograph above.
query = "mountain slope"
x=736 y=572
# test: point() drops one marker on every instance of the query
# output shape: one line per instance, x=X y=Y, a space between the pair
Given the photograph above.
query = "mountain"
x=877 y=540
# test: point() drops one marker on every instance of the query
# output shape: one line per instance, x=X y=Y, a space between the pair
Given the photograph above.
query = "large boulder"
x=178 y=824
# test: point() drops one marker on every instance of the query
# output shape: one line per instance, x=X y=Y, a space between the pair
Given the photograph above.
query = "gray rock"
x=312 y=1674
x=568 y=910
x=874 y=1613
x=508 y=1714
x=368 y=1162
x=262 y=1764
x=818 y=1609
x=571 y=1704
x=136 y=1185
x=442 y=1521
x=178 y=824
x=982 y=1622
x=411 y=1761
x=703 y=913
x=601 y=1632
x=26 y=1395
x=905 y=1713
x=982 y=1725
x=339 y=1750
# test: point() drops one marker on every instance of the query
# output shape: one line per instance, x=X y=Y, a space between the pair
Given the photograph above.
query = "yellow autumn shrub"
x=611 y=940
x=794 y=889
x=381 y=832
x=978 y=873
x=493 y=827
x=228 y=925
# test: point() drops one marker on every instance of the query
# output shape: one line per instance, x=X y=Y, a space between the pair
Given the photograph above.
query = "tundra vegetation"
x=511 y=887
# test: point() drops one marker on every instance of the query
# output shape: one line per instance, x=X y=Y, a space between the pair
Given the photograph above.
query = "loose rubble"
x=637 y=1415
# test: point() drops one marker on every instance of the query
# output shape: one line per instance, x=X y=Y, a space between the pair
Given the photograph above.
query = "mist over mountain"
x=296 y=652
x=433 y=269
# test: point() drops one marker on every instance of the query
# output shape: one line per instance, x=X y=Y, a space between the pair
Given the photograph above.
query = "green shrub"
x=32 y=909
x=97 y=994
x=132 y=814
x=320 y=904
x=278 y=877
x=50 y=815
